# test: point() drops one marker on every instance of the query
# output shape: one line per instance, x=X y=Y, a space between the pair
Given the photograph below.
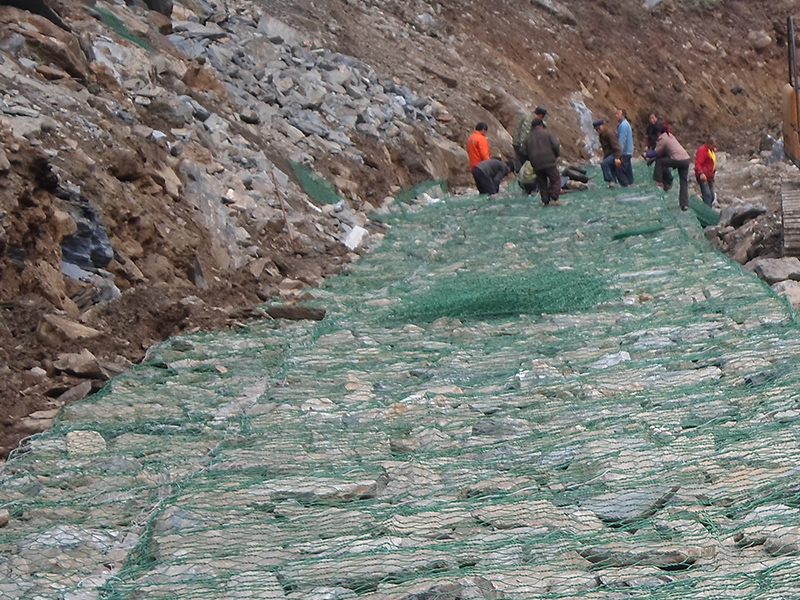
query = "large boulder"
x=162 y=6
x=773 y=270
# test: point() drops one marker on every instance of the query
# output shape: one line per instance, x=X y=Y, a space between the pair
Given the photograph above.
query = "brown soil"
x=690 y=62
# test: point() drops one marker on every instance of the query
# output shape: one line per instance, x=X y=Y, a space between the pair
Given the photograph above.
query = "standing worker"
x=478 y=145
x=612 y=152
x=705 y=169
x=625 y=137
x=669 y=154
x=542 y=149
x=523 y=129
x=540 y=112
x=651 y=132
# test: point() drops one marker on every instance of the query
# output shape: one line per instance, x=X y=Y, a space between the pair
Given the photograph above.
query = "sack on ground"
x=576 y=174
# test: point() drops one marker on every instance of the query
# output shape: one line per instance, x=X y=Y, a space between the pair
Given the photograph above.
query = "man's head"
x=540 y=112
x=537 y=124
x=481 y=126
x=652 y=118
x=711 y=142
x=621 y=114
x=599 y=125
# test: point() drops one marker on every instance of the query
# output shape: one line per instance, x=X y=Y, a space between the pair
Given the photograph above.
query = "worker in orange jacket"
x=478 y=147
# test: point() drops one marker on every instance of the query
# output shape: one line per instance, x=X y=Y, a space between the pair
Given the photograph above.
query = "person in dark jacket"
x=542 y=149
x=488 y=174
x=612 y=152
x=523 y=129
x=653 y=130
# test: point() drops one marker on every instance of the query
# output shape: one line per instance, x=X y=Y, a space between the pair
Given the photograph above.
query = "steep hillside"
x=707 y=66
x=151 y=159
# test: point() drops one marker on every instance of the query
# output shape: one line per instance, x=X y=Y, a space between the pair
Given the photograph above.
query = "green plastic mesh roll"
x=705 y=214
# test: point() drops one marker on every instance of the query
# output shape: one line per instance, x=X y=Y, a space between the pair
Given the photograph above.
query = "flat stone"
x=666 y=558
x=295 y=312
x=773 y=270
x=254 y=585
x=738 y=214
x=64 y=329
x=80 y=364
x=501 y=427
x=196 y=31
x=355 y=237
x=630 y=506
x=78 y=392
x=41 y=420
x=84 y=443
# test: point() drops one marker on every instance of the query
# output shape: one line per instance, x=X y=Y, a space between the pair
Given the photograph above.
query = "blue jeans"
x=706 y=190
x=609 y=169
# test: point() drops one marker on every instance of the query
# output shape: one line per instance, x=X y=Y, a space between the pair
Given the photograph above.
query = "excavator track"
x=790 y=214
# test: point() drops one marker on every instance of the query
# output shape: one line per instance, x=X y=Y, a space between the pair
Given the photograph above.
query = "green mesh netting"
x=705 y=214
x=316 y=186
x=637 y=441
x=110 y=19
x=642 y=229
x=471 y=295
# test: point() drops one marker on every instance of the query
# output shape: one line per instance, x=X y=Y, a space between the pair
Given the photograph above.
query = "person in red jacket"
x=705 y=168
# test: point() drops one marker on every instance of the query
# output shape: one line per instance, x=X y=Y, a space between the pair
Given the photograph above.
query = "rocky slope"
x=150 y=159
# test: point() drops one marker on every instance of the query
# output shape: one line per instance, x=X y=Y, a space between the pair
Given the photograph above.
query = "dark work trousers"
x=549 y=184
x=667 y=174
x=663 y=166
x=484 y=184
x=609 y=167
x=625 y=171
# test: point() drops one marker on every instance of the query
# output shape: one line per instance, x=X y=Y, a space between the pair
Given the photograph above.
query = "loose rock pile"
x=141 y=150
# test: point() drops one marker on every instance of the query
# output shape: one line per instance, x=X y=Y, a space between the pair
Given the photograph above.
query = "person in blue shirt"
x=625 y=135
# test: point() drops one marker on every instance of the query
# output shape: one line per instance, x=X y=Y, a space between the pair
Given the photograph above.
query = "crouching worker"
x=488 y=174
